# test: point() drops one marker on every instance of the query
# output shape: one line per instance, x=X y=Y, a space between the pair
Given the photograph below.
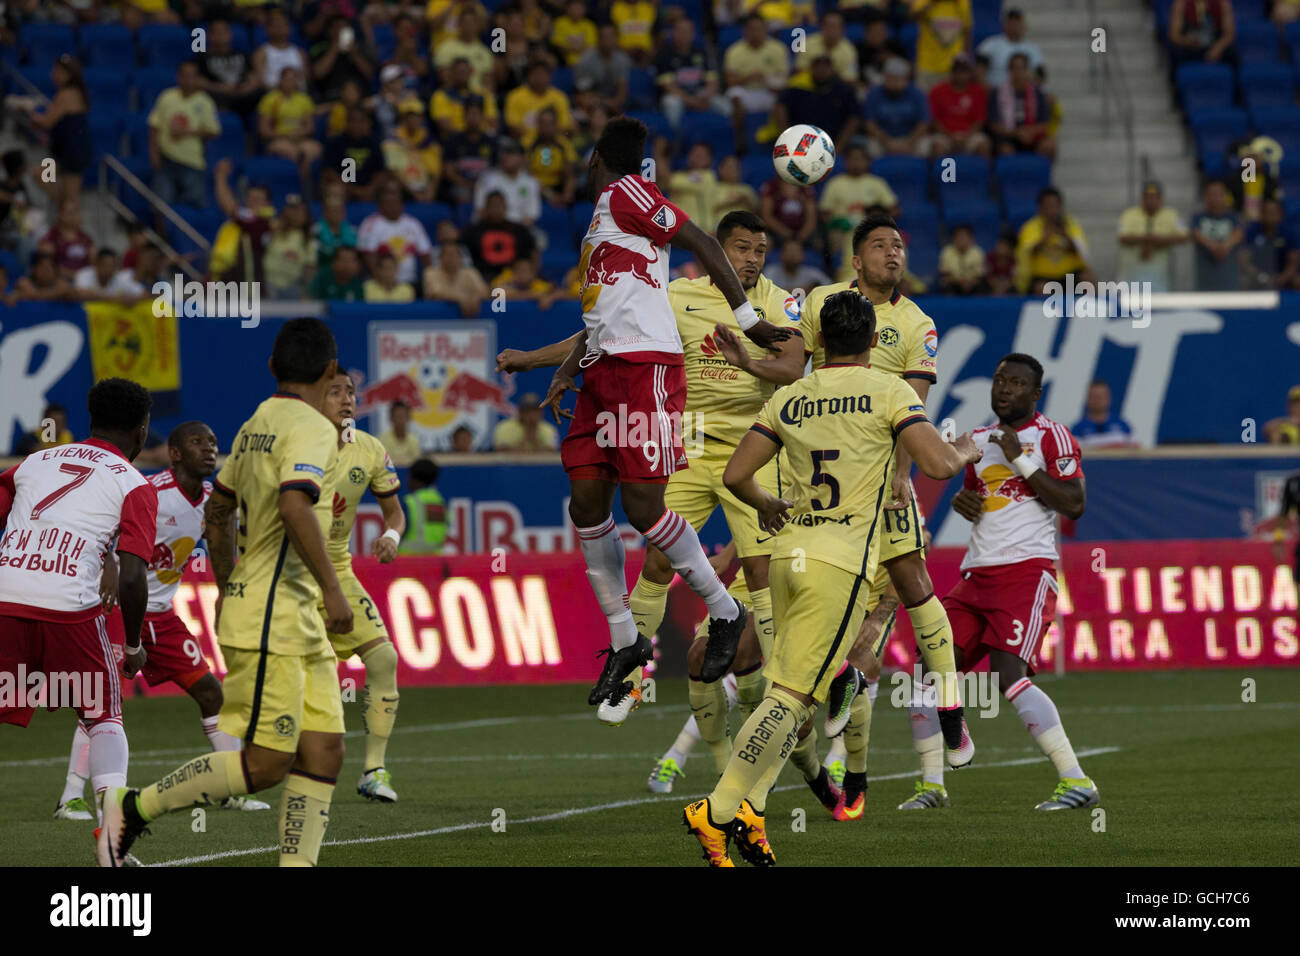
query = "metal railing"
x=152 y=198
x=1117 y=107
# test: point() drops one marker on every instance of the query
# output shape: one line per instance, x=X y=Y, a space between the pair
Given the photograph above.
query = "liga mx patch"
x=792 y=308
x=664 y=218
x=931 y=343
x=318 y=472
x=1067 y=466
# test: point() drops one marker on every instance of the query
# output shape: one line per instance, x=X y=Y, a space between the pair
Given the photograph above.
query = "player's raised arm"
x=709 y=252
x=385 y=546
x=754 y=451
x=784 y=365
x=934 y=456
x=548 y=356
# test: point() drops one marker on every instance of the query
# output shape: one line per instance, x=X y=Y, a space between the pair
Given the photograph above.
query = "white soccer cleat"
x=244 y=803
x=75 y=809
x=661 y=777
x=377 y=785
x=615 y=708
x=964 y=755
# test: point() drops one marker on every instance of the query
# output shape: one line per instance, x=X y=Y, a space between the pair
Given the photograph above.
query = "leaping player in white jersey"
x=626 y=428
x=61 y=509
x=174 y=653
x=1006 y=597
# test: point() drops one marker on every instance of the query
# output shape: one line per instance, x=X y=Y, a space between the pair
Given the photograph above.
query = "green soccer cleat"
x=377 y=784
x=835 y=770
x=661 y=777
x=928 y=796
x=1072 y=795
x=74 y=809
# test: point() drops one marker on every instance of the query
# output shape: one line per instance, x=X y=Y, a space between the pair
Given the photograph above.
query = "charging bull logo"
x=1000 y=486
x=605 y=263
x=169 y=559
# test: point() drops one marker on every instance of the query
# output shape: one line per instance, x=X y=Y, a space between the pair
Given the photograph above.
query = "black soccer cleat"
x=844 y=688
x=724 y=641
x=950 y=722
x=825 y=790
x=618 y=664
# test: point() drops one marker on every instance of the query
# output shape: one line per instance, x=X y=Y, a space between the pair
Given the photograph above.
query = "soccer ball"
x=803 y=155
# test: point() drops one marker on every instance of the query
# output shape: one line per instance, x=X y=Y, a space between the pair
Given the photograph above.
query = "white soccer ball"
x=803 y=155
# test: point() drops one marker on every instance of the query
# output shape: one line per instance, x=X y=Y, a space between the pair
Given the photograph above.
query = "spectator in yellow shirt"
x=448 y=104
x=551 y=160
x=466 y=44
x=398 y=439
x=635 y=20
x=756 y=66
x=694 y=188
x=522 y=284
x=731 y=194
x=523 y=103
x=528 y=432
x=384 y=287
x=413 y=154
x=831 y=41
x=962 y=264
x=1146 y=233
x=1050 y=246
x=285 y=121
x=574 y=33
x=943 y=31
x=181 y=121
x=850 y=194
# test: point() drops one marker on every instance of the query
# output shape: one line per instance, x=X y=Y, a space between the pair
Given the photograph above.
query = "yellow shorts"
x=272 y=698
x=900 y=533
x=818 y=610
x=696 y=491
x=367 y=625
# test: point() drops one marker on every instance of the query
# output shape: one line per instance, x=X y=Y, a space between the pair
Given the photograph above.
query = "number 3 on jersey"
x=820 y=477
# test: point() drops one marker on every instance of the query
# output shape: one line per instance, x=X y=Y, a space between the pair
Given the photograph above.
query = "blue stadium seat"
x=239 y=38
x=106 y=127
x=985 y=26
x=134 y=201
x=921 y=223
x=982 y=215
x=906 y=176
x=105 y=87
x=39 y=77
x=557 y=260
x=430 y=214
x=1267 y=84
x=279 y=175
x=641 y=91
x=1204 y=86
x=1021 y=175
x=907 y=37
x=8 y=61
x=1017 y=212
x=1283 y=124
x=557 y=225
x=711 y=128
x=756 y=168
x=562 y=79
x=43 y=43
x=108 y=45
x=357 y=211
x=385 y=41
x=1214 y=130
x=1257 y=42
x=231 y=143
x=580 y=214
x=464 y=214
x=13 y=266
x=136 y=127
x=149 y=82
x=923 y=261
x=204 y=221
x=727 y=36
x=970 y=179
x=164 y=45
x=656 y=122
x=1248 y=10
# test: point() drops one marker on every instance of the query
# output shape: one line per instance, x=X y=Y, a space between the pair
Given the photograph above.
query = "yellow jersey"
x=908 y=345
x=363 y=463
x=721 y=399
x=271 y=598
x=838 y=428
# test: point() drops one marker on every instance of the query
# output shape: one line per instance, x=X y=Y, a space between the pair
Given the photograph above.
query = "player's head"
x=879 y=255
x=424 y=474
x=848 y=326
x=304 y=353
x=743 y=237
x=341 y=400
x=1017 y=385
x=617 y=153
x=192 y=448
x=119 y=414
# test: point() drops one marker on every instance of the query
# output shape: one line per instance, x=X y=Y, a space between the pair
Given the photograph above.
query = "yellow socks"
x=764 y=623
x=380 y=710
x=305 y=813
x=647 y=603
x=204 y=780
x=805 y=756
x=709 y=707
x=750 y=690
x=762 y=747
x=934 y=638
x=857 y=734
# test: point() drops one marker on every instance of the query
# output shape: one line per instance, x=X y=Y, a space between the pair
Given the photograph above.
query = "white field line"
x=579 y=811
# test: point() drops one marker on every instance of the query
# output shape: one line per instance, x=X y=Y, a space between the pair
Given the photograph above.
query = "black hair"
x=303 y=351
x=398 y=404
x=425 y=471
x=960 y=226
x=871 y=222
x=739 y=219
x=182 y=431
x=848 y=323
x=622 y=145
x=105 y=251
x=1029 y=362
x=1099 y=381
x=754 y=16
x=1048 y=191
x=118 y=405
x=14 y=160
x=53 y=407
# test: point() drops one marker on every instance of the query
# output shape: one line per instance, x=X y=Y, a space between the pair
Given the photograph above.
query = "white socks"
x=678 y=541
x=1043 y=722
x=78 y=766
x=927 y=737
x=602 y=549
x=109 y=754
x=219 y=739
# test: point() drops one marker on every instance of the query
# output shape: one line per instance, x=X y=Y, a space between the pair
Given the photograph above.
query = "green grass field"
x=1189 y=775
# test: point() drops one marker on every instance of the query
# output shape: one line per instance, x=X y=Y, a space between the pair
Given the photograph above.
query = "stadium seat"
x=148 y=83
x=39 y=77
x=580 y=214
x=279 y=175
x=108 y=45
x=562 y=79
x=385 y=41
x=230 y=144
x=12 y=265
x=464 y=214
x=43 y=43
x=432 y=213
x=557 y=225
x=1021 y=176
x=642 y=93
x=1281 y=123
x=756 y=168
x=711 y=128
x=134 y=201
x=907 y=37
x=970 y=178
x=1016 y=212
x=163 y=45
x=921 y=223
x=1214 y=131
x=982 y=215
x=656 y=122
x=105 y=87
x=1204 y=86
x=985 y=26
x=727 y=37
x=557 y=260
x=1267 y=84
x=358 y=211
x=106 y=127
x=923 y=261
x=1257 y=42
x=906 y=176
x=239 y=38
x=136 y=127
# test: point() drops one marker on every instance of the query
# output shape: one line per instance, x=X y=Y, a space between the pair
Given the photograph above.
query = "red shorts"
x=77 y=659
x=627 y=425
x=1007 y=607
x=172 y=652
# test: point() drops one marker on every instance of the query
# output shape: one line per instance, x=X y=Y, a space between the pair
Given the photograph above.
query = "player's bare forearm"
x=902 y=458
x=934 y=456
x=307 y=538
x=1064 y=495
x=549 y=356
x=219 y=525
x=708 y=251
x=394 y=516
x=132 y=595
x=753 y=452
x=785 y=366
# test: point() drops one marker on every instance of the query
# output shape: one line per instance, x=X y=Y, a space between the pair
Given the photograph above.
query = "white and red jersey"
x=180 y=526
x=624 y=269
x=1015 y=525
x=61 y=509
